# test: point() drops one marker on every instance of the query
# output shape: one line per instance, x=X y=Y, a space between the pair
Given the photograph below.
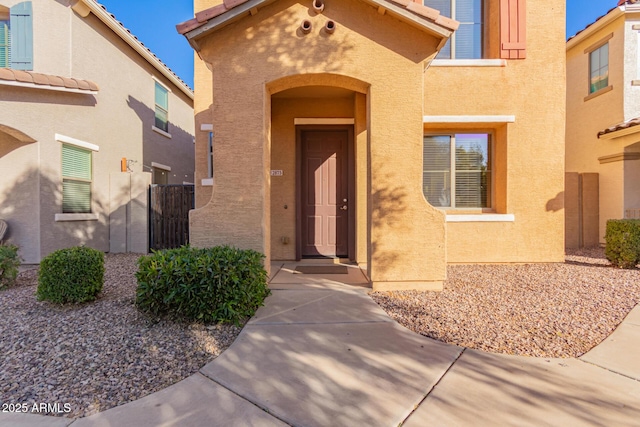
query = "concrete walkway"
x=322 y=353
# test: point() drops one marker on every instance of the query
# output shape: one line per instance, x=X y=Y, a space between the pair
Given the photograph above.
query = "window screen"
x=76 y=179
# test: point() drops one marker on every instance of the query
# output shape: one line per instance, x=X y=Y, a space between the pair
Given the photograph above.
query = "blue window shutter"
x=22 y=36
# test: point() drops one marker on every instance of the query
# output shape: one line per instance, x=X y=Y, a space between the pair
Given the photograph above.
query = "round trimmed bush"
x=71 y=275
x=623 y=242
x=219 y=284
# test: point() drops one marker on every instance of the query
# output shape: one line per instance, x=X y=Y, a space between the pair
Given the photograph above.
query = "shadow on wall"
x=557 y=203
x=177 y=151
x=30 y=215
x=387 y=215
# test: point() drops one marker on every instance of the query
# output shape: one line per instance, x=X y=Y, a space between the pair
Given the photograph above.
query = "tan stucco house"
x=89 y=117
x=398 y=135
x=603 y=114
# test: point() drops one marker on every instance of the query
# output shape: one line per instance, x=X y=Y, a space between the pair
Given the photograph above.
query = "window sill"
x=598 y=93
x=469 y=63
x=207 y=182
x=481 y=218
x=76 y=217
x=161 y=132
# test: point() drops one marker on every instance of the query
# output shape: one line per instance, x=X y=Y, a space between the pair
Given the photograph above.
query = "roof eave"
x=245 y=9
x=115 y=26
x=619 y=133
x=614 y=14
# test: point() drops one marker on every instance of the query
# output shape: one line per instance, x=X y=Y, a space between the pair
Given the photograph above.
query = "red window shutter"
x=513 y=29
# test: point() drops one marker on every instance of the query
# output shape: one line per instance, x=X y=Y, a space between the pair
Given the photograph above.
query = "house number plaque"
x=277 y=173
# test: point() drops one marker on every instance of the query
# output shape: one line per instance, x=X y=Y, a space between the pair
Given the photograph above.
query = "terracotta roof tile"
x=69 y=83
x=6 y=74
x=56 y=81
x=414 y=6
x=83 y=84
x=22 y=76
x=211 y=13
x=39 y=79
x=229 y=4
x=620 y=126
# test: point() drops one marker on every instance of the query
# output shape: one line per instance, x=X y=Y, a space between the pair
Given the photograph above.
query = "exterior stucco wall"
x=118 y=119
x=368 y=51
x=529 y=153
x=585 y=118
x=18 y=185
x=631 y=68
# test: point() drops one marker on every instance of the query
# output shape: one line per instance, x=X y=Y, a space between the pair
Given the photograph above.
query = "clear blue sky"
x=153 y=22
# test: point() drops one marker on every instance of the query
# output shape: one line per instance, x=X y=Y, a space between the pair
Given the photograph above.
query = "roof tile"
x=69 y=83
x=414 y=6
x=6 y=74
x=229 y=4
x=22 y=76
x=40 y=79
x=425 y=11
x=211 y=13
x=56 y=81
x=620 y=126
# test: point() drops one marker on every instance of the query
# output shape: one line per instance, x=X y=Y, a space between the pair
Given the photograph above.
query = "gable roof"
x=621 y=7
x=410 y=11
x=84 y=7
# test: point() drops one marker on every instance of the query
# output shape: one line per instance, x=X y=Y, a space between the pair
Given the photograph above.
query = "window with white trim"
x=457 y=170
x=162 y=107
x=599 y=68
x=467 y=41
x=77 y=177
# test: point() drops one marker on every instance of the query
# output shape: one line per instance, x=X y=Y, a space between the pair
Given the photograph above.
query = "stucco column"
x=407 y=235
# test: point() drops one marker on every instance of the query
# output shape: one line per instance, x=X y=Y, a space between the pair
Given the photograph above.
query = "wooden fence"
x=169 y=207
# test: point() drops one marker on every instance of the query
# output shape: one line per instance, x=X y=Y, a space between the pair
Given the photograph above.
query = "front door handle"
x=343 y=208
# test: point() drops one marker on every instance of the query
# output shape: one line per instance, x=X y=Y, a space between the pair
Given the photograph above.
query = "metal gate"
x=169 y=207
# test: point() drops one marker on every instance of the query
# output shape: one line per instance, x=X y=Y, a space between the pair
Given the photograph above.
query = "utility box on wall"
x=129 y=212
x=581 y=210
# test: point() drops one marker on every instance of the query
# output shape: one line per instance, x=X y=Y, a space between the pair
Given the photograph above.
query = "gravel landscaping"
x=96 y=355
x=544 y=310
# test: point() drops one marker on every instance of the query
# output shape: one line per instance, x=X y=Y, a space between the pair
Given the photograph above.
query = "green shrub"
x=9 y=263
x=71 y=275
x=623 y=242
x=219 y=284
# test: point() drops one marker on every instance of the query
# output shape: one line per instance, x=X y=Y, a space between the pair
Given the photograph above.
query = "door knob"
x=343 y=208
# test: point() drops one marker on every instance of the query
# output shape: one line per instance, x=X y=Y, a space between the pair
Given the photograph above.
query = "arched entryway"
x=318 y=135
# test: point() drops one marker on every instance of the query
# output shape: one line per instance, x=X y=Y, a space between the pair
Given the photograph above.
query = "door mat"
x=322 y=269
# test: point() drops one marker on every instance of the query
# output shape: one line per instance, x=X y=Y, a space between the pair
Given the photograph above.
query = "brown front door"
x=325 y=192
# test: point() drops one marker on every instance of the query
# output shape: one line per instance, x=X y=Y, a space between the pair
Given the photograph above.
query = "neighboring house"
x=399 y=135
x=81 y=101
x=603 y=114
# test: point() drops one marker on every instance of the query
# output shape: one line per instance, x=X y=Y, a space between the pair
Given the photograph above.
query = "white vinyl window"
x=599 y=68
x=162 y=107
x=457 y=170
x=76 y=179
x=467 y=40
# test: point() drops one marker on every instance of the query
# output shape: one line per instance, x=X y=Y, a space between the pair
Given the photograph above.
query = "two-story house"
x=399 y=135
x=603 y=114
x=89 y=117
